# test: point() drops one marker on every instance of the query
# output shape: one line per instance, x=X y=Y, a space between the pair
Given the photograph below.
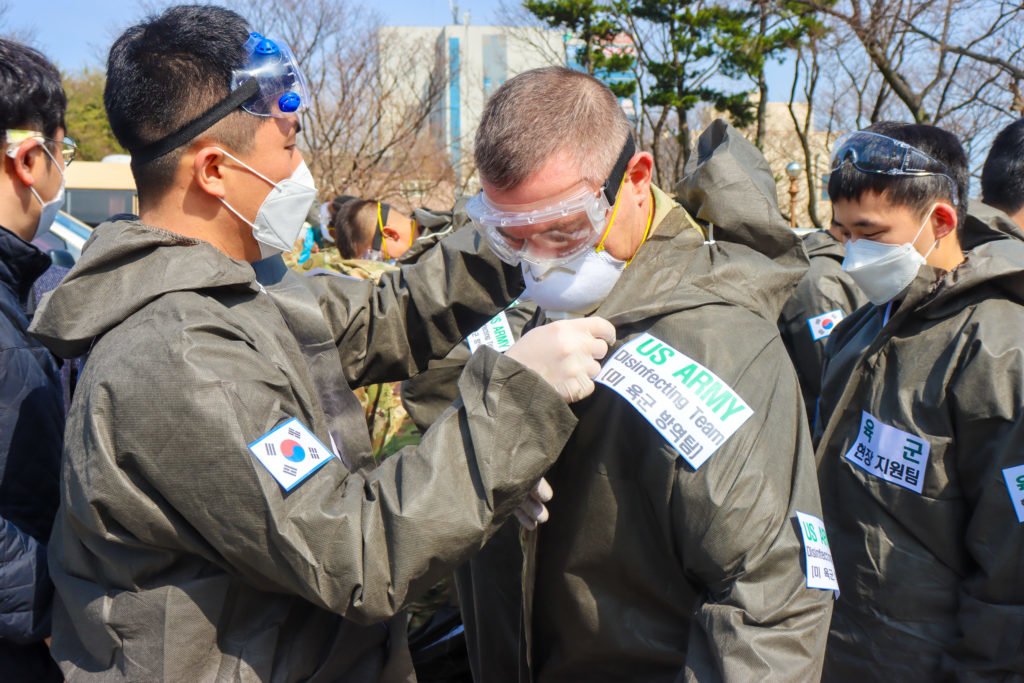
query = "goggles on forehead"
x=281 y=85
x=878 y=154
x=553 y=230
x=270 y=83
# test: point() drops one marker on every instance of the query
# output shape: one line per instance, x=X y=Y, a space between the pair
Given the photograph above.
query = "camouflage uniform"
x=389 y=425
x=391 y=429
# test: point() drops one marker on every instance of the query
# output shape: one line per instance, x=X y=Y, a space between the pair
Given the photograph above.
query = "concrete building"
x=782 y=146
x=456 y=68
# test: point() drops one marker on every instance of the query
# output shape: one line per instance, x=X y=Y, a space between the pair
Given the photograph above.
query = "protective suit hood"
x=151 y=262
x=987 y=224
x=729 y=184
x=994 y=267
x=755 y=260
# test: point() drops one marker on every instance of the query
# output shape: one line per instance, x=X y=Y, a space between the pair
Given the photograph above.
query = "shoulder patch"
x=291 y=453
x=821 y=573
x=822 y=325
x=1014 y=477
x=685 y=402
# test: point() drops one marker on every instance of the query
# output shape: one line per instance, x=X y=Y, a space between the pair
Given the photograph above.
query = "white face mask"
x=575 y=287
x=282 y=214
x=325 y=221
x=49 y=211
x=881 y=270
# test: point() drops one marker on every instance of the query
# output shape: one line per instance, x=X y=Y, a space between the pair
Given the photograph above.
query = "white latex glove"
x=532 y=510
x=565 y=353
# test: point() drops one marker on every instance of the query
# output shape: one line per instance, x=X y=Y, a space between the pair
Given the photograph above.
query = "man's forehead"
x=558 y=174
x=871 y=209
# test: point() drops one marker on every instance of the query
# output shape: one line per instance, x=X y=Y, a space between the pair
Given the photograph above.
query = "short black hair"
x=31 y=94
x=916 y=192
x=1002 y=178
x=164 y=73
x=338 y=202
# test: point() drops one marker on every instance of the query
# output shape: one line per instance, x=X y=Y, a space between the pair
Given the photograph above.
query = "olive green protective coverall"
x=649 y=570
x=176 y=554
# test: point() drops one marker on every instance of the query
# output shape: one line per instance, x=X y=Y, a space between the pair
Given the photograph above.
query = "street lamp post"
x=793 y=170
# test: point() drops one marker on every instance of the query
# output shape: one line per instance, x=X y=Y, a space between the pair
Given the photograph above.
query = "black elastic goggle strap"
x=190 y=130
x=611 y=188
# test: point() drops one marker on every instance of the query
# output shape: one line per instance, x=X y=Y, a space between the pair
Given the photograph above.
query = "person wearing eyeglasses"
x=34 y=157
x=921 y=422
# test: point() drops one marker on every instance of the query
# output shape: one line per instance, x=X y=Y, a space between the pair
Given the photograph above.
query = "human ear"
x=22 y=163
x=206 y=171
x=639 y=173
x=944 y=220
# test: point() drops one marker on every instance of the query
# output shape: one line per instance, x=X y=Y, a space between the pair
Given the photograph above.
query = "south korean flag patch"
x=291 y=453
x=822 y=325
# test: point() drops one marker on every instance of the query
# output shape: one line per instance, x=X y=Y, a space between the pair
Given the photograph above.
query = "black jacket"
x=31 y=434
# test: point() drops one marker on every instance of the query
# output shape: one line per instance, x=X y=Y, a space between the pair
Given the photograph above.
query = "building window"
x=824 y=187
x=495 y=59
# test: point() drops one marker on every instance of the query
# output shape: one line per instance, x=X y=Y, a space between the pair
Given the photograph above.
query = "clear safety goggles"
x=554 y=230
x=878 y=154
x=543 y=233
x=282 y=85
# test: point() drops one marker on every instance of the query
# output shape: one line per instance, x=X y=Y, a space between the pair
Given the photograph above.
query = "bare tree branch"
x=1016 y=72
x=366 y=132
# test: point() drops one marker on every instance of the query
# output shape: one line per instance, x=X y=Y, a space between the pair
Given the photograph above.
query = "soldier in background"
x=371 y=229
x=824 y=297
x=1002 y=178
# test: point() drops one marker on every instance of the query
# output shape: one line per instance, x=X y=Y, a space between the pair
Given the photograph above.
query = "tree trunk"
x=762 y=110
x=762 y=82
x=803 y=130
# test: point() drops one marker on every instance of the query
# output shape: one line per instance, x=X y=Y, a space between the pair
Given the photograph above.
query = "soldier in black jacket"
x=35 y=153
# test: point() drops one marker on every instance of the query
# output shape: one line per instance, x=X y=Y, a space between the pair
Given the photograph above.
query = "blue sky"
x=77 y=33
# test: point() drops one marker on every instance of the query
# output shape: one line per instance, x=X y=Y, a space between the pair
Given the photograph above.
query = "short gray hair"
x=545 y=111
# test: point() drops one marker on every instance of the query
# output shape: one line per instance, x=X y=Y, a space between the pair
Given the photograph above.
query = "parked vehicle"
x=97 y=190
x=67 y=234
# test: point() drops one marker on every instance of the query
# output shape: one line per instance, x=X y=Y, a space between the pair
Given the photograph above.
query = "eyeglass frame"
x=15 y=137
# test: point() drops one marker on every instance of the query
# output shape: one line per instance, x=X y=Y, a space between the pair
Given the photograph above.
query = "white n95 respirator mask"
x=576 y=287
x=48 y=214
x=881 y=270
x=280 y=218
x=49 y=210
